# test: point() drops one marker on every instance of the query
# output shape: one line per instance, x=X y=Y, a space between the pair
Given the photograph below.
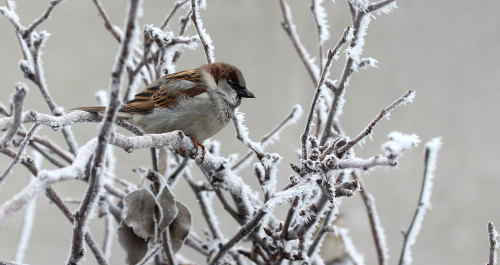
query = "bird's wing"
x=165 y=92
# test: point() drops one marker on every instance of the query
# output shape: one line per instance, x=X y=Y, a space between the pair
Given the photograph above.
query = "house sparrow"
x=200 y=102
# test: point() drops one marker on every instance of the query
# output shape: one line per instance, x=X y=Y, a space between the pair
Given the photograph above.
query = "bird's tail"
x=91 y=109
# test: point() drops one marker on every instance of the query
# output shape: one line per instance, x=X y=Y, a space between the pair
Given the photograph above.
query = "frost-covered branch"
x=324 y=73
x=385 y=112
x=291 y=118
x=58 y=122
x=31 y=43
x=205 y=39
x=17 y=101
x=96 y=172
x=492 y=232
x=410 y=236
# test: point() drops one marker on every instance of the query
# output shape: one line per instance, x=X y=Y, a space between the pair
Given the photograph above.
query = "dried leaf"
x=139 y=207
x=180 y=227
x=135 y=246
x=168 y=209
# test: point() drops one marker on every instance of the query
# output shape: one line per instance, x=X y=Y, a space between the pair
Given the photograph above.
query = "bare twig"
x=205 y=39
x=432 y=147
x=17 y=106
x=492 y=232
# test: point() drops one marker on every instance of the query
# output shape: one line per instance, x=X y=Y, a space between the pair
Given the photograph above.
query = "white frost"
x=432 y=148
x=321 y=16
x=399 y=143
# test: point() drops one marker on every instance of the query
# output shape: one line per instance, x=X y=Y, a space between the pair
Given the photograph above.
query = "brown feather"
x=160 y=95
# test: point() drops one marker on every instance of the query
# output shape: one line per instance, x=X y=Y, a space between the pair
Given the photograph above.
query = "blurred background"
x=447 y=51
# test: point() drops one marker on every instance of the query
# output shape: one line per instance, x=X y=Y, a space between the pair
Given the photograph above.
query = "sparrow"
x=199 y=102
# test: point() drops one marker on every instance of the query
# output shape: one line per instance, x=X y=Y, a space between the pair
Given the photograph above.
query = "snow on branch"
x=410 y=236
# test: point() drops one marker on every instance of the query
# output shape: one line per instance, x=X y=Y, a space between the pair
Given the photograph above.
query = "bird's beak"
x=245 y=93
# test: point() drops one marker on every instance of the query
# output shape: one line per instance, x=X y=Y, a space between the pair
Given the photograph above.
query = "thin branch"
x=27 y=225
x=26 y=161
x=167 y=247
x=205 y=39
x=205 y=206
x=96 y=173
x=50 y=145
x=289 y=217
x=242 y=232
x=431 y=149
x=107 y=22
x=45 y=16
x=17 y=106
x=326 y=69
x=493 y=244
x=338 y=100
x=376 y=228
x=177 y=5
x=289 y=27
x=20 y=152
x=379 y=5
x=52 y=195
x=385 y=112
x=58 y=122
x=325 y=227
x=292 y=117
x=172 y=178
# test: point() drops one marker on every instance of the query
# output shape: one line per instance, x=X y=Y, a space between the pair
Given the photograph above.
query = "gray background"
x=445 y=50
